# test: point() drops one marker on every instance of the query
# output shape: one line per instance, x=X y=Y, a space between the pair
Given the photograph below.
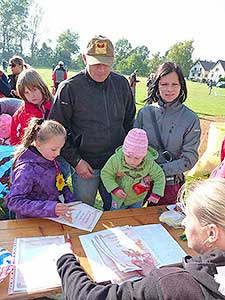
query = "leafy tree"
x=137 y=58
x=45 y=56
x=78 y=63
x=155 y=61
x=181 y=53
x=67 y=45
x=13 y=25
x=133 y=62
x=35 y=21
x=142 y=51
x=122 y=50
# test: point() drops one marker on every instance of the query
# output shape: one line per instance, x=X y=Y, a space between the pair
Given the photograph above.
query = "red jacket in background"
x=58 y=75
x=22 y=117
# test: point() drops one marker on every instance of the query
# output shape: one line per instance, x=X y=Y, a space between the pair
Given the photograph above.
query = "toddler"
x=38 y=187
x=132 y=171
x=37 y=102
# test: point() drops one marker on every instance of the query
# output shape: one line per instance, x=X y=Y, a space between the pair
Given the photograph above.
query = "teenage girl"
x=37 y=102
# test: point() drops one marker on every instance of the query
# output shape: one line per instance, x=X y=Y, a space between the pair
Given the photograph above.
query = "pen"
x=68 y=240
x=71 y=204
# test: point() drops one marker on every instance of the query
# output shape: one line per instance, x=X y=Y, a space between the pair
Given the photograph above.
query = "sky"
x=157 y=24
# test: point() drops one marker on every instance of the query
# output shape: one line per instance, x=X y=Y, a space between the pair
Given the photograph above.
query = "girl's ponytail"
x=28 y=138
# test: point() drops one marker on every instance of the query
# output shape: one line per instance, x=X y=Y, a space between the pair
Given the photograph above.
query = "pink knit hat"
x=5 y=126
x=136 y=143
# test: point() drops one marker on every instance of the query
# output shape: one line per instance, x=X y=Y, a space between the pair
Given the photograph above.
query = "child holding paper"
x=128 y=172
x=38 y=188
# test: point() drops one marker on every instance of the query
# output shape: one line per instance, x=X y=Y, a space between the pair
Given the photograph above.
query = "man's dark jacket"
x=97 y=116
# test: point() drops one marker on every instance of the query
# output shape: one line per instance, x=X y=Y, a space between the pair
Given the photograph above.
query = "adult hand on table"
x=146 y=264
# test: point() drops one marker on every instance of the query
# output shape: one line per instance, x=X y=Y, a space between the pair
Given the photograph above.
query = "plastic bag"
x=211 y=157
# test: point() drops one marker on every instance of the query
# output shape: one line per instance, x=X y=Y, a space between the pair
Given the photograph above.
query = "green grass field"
x=198 y=99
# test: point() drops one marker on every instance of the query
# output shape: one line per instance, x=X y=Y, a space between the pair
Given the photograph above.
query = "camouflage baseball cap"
x=100 y=50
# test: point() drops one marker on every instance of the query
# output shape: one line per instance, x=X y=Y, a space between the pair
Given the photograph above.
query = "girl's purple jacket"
x=33 y=192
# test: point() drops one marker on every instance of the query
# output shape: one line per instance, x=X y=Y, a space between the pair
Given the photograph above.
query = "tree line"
x=20 y=22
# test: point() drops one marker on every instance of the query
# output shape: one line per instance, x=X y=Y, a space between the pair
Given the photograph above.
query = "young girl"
x=37 y=103
x=38 y=188
x=128 y=173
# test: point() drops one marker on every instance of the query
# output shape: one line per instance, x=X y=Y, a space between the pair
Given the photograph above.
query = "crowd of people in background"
x=90 y=133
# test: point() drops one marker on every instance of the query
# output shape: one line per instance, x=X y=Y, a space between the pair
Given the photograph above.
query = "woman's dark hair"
x=165 y=69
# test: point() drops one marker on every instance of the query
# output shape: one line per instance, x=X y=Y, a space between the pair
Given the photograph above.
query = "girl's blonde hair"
x=41 y=131
x=30 y=79
x=207 y=198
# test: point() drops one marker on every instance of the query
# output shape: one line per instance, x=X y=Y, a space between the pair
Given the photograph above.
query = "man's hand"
x=84 y=170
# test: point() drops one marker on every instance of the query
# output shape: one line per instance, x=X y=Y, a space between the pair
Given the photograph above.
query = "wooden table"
x=9 y=230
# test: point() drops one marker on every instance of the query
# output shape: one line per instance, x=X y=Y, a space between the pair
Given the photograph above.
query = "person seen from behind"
x=197 y=278
x=128 y=173
x=210 y=86
x=37 y=103
x=59 y=74
x=173 y=129
x=133 y=82
x=38 y=187
x=97 y=108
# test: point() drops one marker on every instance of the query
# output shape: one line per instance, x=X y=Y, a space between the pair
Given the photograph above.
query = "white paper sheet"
x=84 y=217
x=153 y=239
x=35 y=266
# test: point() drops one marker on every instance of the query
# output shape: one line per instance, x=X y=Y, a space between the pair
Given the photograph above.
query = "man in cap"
x=97 y=108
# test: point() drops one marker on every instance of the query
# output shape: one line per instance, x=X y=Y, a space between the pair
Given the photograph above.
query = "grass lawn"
x=198 y=99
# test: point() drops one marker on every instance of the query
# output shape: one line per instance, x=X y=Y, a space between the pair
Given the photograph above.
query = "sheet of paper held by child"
x=84 y=216
x=35 y=266
x=110 y=252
